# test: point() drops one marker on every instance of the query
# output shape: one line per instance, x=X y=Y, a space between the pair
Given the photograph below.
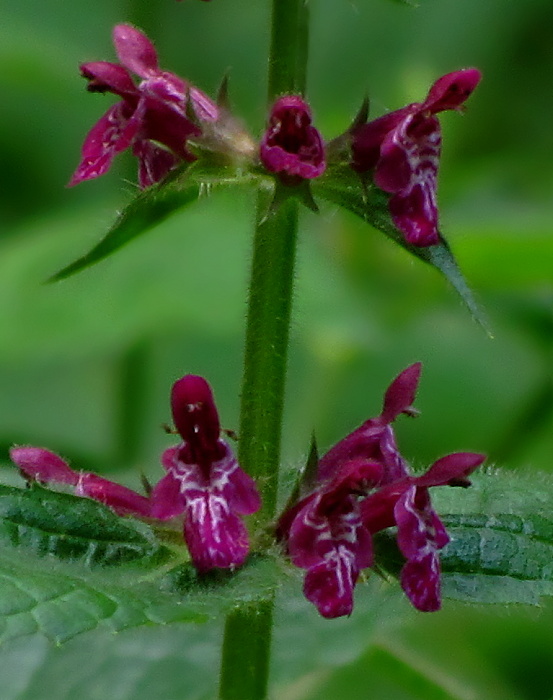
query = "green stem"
x=248 y=629
x=266 y=349
x=246 y=658
x=289 y=46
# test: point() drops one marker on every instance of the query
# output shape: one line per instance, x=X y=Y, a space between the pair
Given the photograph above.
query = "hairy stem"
x=246 y=652
x=248 y=629
x=289 y=47
x=266 y=350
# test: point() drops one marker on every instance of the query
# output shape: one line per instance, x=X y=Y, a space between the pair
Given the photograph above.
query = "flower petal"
x=107 y=137
x=154 y=162
x=452 y=90
x=305 y=533
x=168 y=127
x=420 y=534
x=216 y=538
x=104 y=76
x=377 y=510
x=135 y=51
x=166 y=498
x=119 y=498
x=241 y=492
x=167 y=89
x=416 y=523
x=329 y=585
x=420 y=579
x=368 y=138
x=42 y=465
x=416 y=215
x=400 y=395
x=195 y=416
x=451 y=470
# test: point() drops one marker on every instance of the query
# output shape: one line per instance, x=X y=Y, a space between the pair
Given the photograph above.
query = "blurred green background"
x=86 y=365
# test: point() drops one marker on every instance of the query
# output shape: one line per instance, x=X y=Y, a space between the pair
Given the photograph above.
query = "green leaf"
x=61 y=599
x=503 y=558
x=501 y=548
x=342 y=186
x=155 y=204
x=387 y=675
x=69 y=565
x=49 y=523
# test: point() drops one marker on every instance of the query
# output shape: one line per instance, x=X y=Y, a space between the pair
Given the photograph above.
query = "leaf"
x=498 y=559
x=342 y=186
x=501 y=548
x=61 y=600
x=69 y=565
x=387 y=675
x=45 y=522
x=146 y=663
x=153 y=205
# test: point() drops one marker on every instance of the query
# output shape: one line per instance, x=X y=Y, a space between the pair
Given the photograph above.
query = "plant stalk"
x=248 y=629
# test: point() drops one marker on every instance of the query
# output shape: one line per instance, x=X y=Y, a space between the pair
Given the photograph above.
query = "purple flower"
x=325 y=534
x=291 y=146
x=44 y=466
x=363 y=485
x=405 y=502
x=374 y=439
x=402 y=149
x=204 y=482
x=151 y=118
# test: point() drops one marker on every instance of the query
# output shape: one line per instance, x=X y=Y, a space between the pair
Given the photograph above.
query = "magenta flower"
x=291 y=146
x=152 y=117
x=204 y=482
x=374 y=439
x=325 y=534
x=38 y=464
x=402 y=149
x=405 y=502
x=363 y=485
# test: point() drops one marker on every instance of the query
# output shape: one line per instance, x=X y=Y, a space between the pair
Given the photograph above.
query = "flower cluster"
x=364 y=486
x=204 y=482
x=400 y=149
x=157 y=117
